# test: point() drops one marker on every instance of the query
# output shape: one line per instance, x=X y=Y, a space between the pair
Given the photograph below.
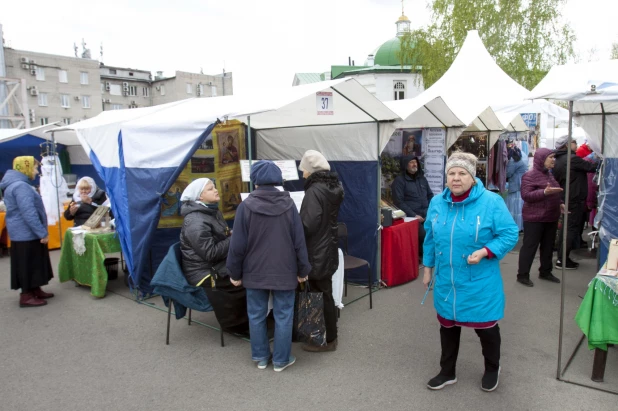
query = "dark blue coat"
x=411 y=194
x=25 y=214
x=267 y=250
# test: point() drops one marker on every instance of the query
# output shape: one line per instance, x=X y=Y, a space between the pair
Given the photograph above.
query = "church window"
x=399 y=87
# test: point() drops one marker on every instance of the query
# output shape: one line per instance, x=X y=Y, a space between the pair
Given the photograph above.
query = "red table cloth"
x=400 y=252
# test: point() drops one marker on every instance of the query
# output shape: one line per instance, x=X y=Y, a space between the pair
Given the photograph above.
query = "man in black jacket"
x=411 y=193
x=578 y=192
x=319 y=211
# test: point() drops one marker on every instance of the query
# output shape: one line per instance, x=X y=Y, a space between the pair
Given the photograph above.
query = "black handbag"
x=309 y=325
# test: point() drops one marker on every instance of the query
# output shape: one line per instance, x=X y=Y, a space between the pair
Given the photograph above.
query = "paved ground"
x=80 y=353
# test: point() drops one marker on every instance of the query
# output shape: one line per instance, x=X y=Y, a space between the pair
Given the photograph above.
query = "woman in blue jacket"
x=26 y=223
x=469 y=230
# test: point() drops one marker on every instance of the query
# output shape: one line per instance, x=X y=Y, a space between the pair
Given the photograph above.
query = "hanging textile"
x=53 y=188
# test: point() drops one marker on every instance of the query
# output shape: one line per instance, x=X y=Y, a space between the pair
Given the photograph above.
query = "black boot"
x=449 y=339
x=490 y=343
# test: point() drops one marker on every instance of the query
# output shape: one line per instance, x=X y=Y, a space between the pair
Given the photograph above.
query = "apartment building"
x=58 y=88
x=69 y=89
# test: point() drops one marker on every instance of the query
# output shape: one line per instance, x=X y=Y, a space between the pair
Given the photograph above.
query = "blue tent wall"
x=358 y=211
x=27 y=145
x=609 y=221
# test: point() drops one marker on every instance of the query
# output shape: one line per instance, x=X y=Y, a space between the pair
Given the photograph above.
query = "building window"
x=189 y=88
x=102 y=88
x=133 y=90
x=199 y=89
x=112 y=71
x=63 y=76
x=115 y=89
x=130 y=74
x=116 y=106
x=162 y=90
x=85 y=101
x=44 y=120
x=66 y=121
x=213 y=91
x=145 y=91
x=43 y=99
x=65 y=101
x=400 y=90
x=83 y=77
x=40 y=74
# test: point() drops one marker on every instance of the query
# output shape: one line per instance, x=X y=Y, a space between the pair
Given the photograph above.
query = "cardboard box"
x=612 y=256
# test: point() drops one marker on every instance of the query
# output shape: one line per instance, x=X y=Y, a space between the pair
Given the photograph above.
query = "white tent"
x=418 y=113
x=472 y=84
x=592 y=92
x=8 y=134
x=139 y=152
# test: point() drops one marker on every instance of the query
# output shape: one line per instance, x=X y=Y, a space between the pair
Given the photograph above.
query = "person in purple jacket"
x=268 y=255
x=541 y=212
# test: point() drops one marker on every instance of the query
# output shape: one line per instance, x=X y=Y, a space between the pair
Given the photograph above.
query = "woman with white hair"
x=204 y=244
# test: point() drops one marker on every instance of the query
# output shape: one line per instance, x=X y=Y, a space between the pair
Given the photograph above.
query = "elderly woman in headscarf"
x=204 y=244
x=26 y=223
x=86 y=199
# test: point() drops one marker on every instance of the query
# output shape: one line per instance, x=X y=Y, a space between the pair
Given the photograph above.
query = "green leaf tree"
x=614 y=53
x=525 y=37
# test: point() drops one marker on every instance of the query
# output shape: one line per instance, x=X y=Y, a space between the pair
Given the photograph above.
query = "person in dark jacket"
x=319 y=211
x=268 y=256
x=86 y=199
x=411 y=193
x=578 y=192
x=204 y=244
x=26 y=224
x=541 y=212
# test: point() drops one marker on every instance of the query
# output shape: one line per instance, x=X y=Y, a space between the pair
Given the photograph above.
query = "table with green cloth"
x=88 y=268
x=598 y=319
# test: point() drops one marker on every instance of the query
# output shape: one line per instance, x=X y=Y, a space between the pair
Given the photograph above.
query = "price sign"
x=324 y=103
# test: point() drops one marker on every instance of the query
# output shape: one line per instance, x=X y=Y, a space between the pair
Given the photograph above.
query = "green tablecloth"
x=89 y=268
x=598 y=315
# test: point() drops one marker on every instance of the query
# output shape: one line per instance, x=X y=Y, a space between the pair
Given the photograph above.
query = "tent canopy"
x=535 y=106
x=474 y=81
x=139 y=153
x=593 y=87
x=8 y=134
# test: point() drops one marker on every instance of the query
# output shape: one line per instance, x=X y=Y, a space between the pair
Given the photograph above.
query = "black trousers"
x=325 y=285
x=421 y=239
x=535 y=234
x=490 y=344
x=576 y=218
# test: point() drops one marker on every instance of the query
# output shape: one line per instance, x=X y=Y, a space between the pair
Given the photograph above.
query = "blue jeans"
x=283 y=309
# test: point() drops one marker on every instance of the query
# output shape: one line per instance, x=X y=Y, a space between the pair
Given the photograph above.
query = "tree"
x=614 y=53
x=525 y=37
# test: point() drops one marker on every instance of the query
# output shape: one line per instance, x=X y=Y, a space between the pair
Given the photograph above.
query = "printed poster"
x=217 y=158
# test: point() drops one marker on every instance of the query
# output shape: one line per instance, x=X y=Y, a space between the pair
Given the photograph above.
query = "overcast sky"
x=262 y=42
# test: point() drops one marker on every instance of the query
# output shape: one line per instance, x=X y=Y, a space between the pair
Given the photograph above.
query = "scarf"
x=25 y=165
x=93 y=188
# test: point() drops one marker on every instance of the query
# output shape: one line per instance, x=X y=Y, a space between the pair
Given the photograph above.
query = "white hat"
x=313 y=161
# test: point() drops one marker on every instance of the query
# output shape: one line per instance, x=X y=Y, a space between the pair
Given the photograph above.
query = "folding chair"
x=350 y=262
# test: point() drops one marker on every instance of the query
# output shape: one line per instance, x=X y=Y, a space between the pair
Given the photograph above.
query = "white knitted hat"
x=466 y=161
x=313 y=161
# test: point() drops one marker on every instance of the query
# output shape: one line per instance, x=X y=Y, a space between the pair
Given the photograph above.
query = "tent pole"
x=250 y=150
x=564 y=238
x=379 y=230
x=600 y=169
x=56 y=186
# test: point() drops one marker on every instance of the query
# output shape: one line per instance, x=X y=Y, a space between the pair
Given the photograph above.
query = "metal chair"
x=351 y=262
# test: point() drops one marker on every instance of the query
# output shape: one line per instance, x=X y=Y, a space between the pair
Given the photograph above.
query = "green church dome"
x=388 y=54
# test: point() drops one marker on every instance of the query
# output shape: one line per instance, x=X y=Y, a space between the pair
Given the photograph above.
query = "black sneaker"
x=573 y=263
x=440 y=381
x=526 y=282
x=550 y=277
x=490 y=380
x=570 y=265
